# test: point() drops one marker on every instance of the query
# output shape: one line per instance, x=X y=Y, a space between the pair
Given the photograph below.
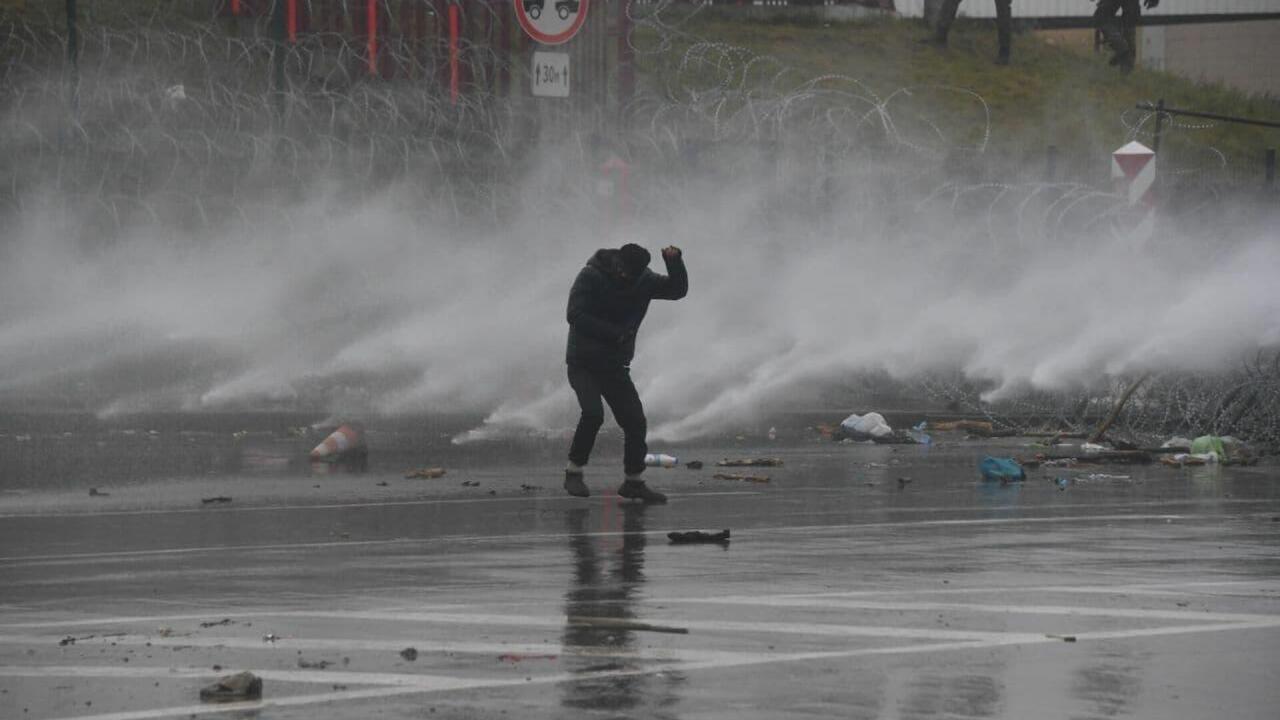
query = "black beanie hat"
x=634 y=258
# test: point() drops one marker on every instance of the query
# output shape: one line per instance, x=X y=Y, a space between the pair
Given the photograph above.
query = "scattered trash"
x=271 y=637
x=865 y=427
x=216 y=623
x=1002 y=469
x=897 y=437
x=1181 y=459
x=314 y=664
x=68 y=640
x=1105 y=476
x=175 y=93
x=518 y=657
x=241 y=686
x=694 y=464
x=470 y=483
x=344 y=442
x=409 y=653
x=530 y=488
x=218 y=499
x=1061 y=482
x=743 y=478
x=382 y=483
x=661 y=460
x=300 y=431
x=425 y=474
x=240 y=434
x=95 y=492
x=918 y=434
x=902 y=481
x=164 y=632
x=773 y=433
x=622 y=624
x=1092 y=447
x=751 y=462
x=698 y=536
x=1063 y=638
x=976 y=427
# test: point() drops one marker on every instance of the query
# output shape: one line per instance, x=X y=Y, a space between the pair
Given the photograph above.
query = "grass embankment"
x=1049 y=95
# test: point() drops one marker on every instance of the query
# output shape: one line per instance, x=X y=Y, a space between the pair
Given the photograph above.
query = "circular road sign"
x=551 y=22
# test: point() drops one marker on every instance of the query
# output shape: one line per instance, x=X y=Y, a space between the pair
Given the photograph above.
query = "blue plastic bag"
x=1001 y=469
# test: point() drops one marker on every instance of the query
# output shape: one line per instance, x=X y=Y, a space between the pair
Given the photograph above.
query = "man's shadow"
x=607 y=581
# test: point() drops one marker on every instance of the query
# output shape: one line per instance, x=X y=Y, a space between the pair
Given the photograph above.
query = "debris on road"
x=1002 y=469
x=95 y=492
x=409 y=653
x=903 y=481
x=212 y=500
x=622 y=624
x=470 y=483
x=271 y=637
x=694 y=464
x=865 y=427
x=346 y=441
x=751 y=462
x=1063 y=638
x=661 y=460
x=530 y=488
x=314 y=664
x=519 y=657
x=698 y=536
x=430 y=473
x=216 y=623
x=233 y=688
x=382 y=483
x=68 y=640
x=742 y=478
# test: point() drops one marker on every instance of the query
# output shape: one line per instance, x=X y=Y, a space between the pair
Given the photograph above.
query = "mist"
x=313 y=289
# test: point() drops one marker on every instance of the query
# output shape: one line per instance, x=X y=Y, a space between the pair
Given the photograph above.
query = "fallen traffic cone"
x=346 y=441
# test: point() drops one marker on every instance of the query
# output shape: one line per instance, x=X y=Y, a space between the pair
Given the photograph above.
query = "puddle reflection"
x=607 y=580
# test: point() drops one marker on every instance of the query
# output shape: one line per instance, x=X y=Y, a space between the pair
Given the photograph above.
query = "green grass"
x=1049 y=95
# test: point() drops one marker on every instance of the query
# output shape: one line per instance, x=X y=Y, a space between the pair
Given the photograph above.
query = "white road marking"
x=28 y=560
x=553 y=621
x=347 y=645
x=440 y=684
x=836 y=603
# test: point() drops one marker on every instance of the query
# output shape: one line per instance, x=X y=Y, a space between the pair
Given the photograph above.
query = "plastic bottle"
x=660 y=460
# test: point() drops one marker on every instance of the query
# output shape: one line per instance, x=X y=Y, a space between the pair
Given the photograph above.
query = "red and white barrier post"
x=1133 y=168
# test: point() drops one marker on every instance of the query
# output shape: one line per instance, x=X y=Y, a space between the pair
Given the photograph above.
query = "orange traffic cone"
x=344 y=442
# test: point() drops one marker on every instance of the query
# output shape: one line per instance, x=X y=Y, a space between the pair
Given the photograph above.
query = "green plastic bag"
x=1209 y=444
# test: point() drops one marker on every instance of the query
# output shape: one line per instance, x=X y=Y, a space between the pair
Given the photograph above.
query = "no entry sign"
x=551 y=22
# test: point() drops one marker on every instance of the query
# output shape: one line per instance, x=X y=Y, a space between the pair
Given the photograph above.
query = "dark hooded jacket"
x=605 y=310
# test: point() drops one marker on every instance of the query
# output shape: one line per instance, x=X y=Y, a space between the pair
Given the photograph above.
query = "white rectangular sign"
x=550 y=74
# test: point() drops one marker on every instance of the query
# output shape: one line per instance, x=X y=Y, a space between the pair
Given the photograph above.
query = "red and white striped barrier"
x=1133 y=168
x=346 y=440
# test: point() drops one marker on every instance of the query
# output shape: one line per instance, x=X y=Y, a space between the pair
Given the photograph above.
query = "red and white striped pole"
x=1133 y=168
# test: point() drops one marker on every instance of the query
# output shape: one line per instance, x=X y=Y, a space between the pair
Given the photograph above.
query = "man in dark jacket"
x=608 y=301
x=1121 y=33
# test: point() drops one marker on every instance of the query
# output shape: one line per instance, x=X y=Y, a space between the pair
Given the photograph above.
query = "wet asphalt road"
x=844 y=592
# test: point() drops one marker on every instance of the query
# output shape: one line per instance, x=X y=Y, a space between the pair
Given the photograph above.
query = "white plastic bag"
x=871 y=425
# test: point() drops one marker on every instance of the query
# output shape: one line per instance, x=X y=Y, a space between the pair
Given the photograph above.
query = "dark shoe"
x=637 y=490
x=574 y=485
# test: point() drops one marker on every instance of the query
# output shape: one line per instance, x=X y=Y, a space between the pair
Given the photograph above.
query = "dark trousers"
x=615 y=387
x=1004 y=21
x=1120 y=32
